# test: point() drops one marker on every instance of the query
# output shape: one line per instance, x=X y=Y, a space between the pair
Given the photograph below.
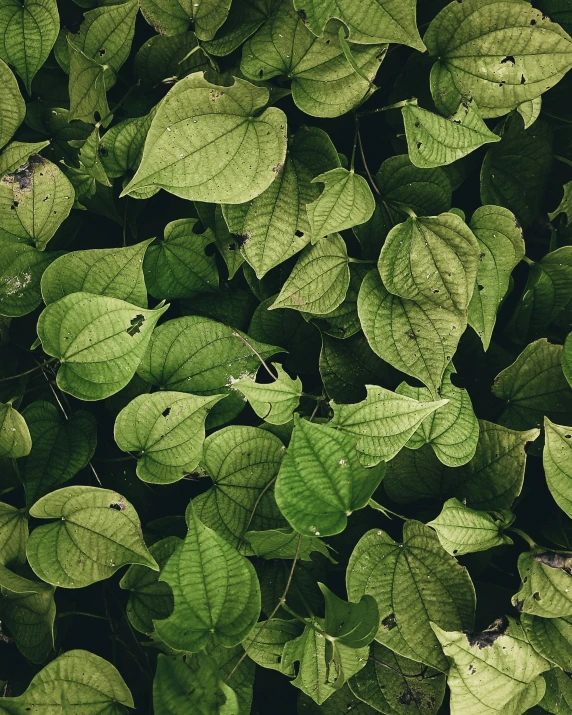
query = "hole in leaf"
x=97 y=116
x=299 y=234
x=101 y=52
x=210 y=249
x=166 y=412
x=135 y=325
x=302 y=15
x=508 y=58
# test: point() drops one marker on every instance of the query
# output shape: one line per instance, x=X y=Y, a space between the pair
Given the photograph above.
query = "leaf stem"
x=39 y=366
x=361 y=260
x=82 y=613
x=258 y=355
x=522 y=535
x=384 y=510
x=397 y=105
x=356 y=132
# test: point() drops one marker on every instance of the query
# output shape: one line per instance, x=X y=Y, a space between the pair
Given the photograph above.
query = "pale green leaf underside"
x=546 y=588
x=274 y=402
x=557 y=459
x=15 y=440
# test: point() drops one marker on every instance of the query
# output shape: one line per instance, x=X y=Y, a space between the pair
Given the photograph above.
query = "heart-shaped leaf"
x=15 y=439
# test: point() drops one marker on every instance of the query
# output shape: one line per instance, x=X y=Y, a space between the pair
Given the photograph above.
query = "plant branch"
x=258 y=355
x=39 y=366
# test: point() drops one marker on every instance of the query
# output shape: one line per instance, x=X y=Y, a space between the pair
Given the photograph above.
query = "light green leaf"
x=433 y=140
x=243 y=463
x=392 y=684
x=346 y=201
x=172 y=17
x=322 y=669
x=415 y=584
x=76 y=680
x=530 y=111
x=34 y=201
x=275 y=225
x=216 y=591
x=383 y=422
x=431 y=260
x=347 y=623
x=178 y=266
x=493 y=671
x=501 y=248
x=99 y=342
x=210 y=143
x=204 y=357
x=557 y=459
x=550 y=637
x=319 y=281
x=565 y=206
x=15 y=440
x=149 y=598
x=324 y=83
x=452 y=430
x=566 y=358
x=16 y=154
x=274 y=402
x=20 y=274
x=375 y=21
x=266 y=641
x=13 y=535
x=27 y=607
x=97 y=532
x=500 y=52
x=112 y=272
x=548 y=290
x=30 y=31
x=283 y=544
x=60 y=448
x=12 y=108
x=167 y=429
x=242 y=679
x=534 y=386
x=463 y=531
x=321 y=481
x=121 y=147
x=546 y=588
x=426 y=191
x=186 y=684
x=88 y=84
x=418 y=339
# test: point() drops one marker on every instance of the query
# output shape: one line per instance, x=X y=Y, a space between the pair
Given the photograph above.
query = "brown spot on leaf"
x=555 y=561
x=389 y=622
x=487 y=637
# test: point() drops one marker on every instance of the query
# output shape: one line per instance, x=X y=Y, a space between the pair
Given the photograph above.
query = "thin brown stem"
x=39 y=366
x=254 y=508
x=365 y=166
x=258 y=355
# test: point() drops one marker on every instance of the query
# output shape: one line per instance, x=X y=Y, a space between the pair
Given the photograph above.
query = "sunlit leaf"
x=274 y=402
x=557 y=458
x=546 y=588
x=12 y=109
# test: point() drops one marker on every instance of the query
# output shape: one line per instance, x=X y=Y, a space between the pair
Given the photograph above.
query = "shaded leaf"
x=557 y=460
x=283 y=544
x=13 y=535
x=546 y=583
x=274 y=402
x=348 y=623
x=171 y=17
x=550 y=637
x=12 y=109
x=15 y=439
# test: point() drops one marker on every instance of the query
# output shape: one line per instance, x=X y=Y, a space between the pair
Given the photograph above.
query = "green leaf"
x=266 y=641
x=565 y=205
x=216 y=591
x=121 y=147
x=431 y=260
x=351 y=624
x=172 y=17
x=283 y=544
x=500 y=54
x=77 y=680
x=16 y=154
x=566 y=358
x=179 y=266
x=346 y=201
x=493 y=671
x=383 y=422
x=337 y=704
x=433 y=140
x=415 y=584
x=530 y=111
x=557 y=462
x=97 y=532
x=149 y=598
x=322 y=669
x=204 y=357
x=191 y=684
x=112 y=272
x=275 y=225
x=20 y=274
x=274 y=402
x=211 y=216
x=321 y=481
x=60 y=448
x=550 y=637
x=88 y=84
x=319 y=281
x=324 y=83
x=244 y=18
x=463 y=531
x=376 y=21
x=426 y=191
x=515 y=171
x=558 y=695
x=419 y=339
x=30 y=33
x=163 y=57
x=99 y=342
x=534 y=386
x=13 y=535
x=34 y=201
x=28 y=609
x=15 y=440
x=13 y=108
x=452 y=430
x=501 y=247
x=167 y=429
x=210 y=143
x=546 y=583
x=243 y=463
x=392 y=684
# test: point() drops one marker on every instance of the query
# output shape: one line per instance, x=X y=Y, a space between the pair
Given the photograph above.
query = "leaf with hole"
x=274 y=402
x=546 y=588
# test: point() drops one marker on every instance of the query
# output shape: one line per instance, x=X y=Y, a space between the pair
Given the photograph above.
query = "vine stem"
x=384 y=510
x=82 y=613
x=522 y=535
x=397 y=105
x=253 y=511
x=280 y=603
x=258 y=355
x=39 y=366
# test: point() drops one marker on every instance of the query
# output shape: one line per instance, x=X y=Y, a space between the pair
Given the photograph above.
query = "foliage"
x=285 y=357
